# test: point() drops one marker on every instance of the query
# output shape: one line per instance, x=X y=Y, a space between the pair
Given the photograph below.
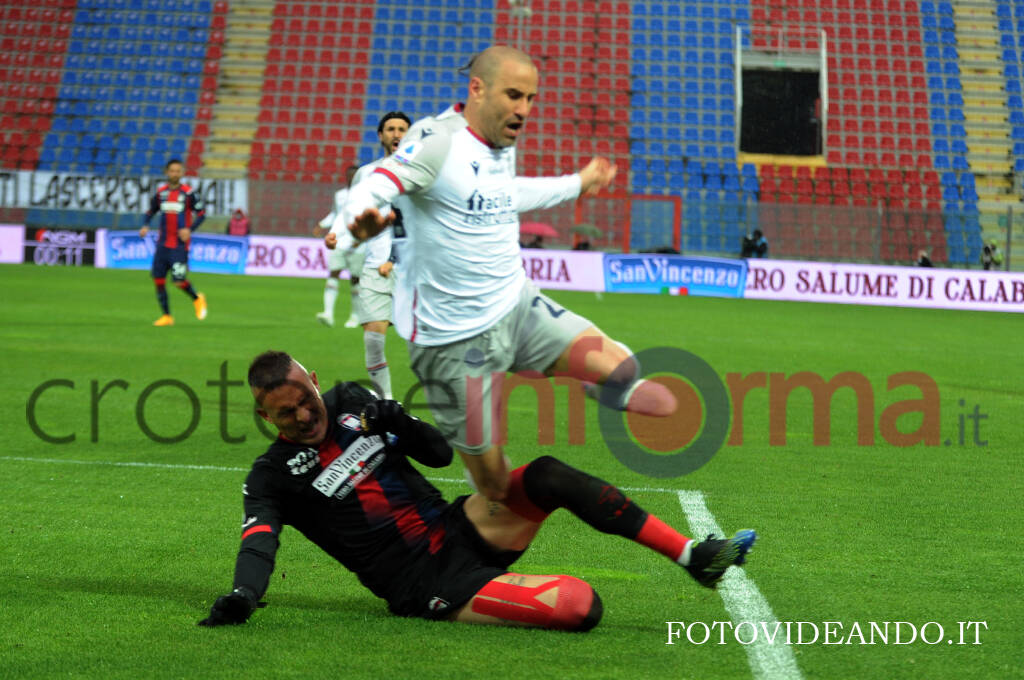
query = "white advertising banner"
x=307 y=257
x=12 y=243
x=111 y=193
x=287 y=256
x=564 y=269
x=863 y=284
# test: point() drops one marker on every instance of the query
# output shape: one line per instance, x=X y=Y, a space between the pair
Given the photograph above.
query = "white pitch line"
x=743 y=600
x=221 y=468
x=165 y=466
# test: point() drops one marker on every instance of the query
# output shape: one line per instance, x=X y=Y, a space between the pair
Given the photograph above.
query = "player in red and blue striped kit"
x=339 y=473
x=181 y=213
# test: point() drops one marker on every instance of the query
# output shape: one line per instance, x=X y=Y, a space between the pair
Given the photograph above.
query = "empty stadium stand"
x=923 y=138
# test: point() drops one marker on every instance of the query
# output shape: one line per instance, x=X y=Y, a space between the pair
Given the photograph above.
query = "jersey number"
x=179 y=270
x=551 y=310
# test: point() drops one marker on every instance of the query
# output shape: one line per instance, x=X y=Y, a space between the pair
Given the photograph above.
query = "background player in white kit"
x=347 y=256
x=376 y=280
x=475 y=315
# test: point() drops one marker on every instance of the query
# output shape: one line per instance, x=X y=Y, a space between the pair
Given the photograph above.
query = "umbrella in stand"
x=538 y=229
x=588 y=230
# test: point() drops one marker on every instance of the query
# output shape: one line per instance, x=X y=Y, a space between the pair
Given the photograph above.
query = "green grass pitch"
x=105 y=568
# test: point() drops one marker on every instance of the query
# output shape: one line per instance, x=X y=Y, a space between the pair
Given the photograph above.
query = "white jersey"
x=463 y=200
x=345 y=240
x=378 y=248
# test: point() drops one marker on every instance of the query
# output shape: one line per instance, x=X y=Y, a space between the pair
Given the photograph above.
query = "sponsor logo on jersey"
x=490 y=208
x=303 y=461
x=408 y=152
x=172 y=206
x=437 y=604
x=498 y=202
x=349 y=421
x=476 y=167
x=353 y=466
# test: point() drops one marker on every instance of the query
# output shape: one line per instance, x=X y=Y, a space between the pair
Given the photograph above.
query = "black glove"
x=234 y=608
x=383 y=415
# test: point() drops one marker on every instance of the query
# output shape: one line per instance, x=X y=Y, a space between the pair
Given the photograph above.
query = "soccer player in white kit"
x=348 y=255
x=377 y=278
x=474 y=314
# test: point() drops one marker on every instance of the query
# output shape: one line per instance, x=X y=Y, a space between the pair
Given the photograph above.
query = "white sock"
x=684 y=558
x=355 y=301
x=377 y=363
x=330 y=296
x=593 y=390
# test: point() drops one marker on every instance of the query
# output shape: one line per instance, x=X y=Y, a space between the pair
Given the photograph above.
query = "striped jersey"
x=179 y=208
x=356 y=496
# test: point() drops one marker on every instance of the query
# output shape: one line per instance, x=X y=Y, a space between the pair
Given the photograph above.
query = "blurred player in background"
x=376 y=281
x=339 y=473
x=181 y=212
x=475 y=315
x=348 y=255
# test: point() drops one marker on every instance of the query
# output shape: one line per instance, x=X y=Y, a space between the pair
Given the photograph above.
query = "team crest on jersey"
x=408 y=152
x=303 y=461
x=350 y=421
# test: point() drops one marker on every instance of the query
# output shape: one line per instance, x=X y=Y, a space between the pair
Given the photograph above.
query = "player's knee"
x=546 y=476
x=578 y=607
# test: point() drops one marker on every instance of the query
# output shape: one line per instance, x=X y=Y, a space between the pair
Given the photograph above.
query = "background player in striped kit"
x=181 y=212
x=339 y=473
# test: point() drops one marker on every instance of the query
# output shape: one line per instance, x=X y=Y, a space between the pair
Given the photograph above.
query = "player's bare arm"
x=597 y=174
x=185 y=234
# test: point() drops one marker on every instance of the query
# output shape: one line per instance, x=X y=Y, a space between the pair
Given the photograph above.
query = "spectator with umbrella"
x=538 y=230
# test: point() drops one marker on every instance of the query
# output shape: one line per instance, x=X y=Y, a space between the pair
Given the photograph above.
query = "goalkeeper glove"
x=234 y=608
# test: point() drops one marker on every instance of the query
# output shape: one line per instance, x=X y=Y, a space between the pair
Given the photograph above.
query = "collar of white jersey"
x=458 y=109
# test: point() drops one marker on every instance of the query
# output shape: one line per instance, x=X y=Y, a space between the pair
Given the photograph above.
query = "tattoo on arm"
x=493 y=508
